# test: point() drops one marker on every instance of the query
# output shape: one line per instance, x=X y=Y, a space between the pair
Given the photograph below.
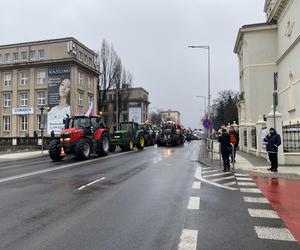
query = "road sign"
x=206 y=123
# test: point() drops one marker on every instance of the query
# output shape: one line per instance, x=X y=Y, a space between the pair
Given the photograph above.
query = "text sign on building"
x=59 y=89
x=135 y=114
x=22 y=111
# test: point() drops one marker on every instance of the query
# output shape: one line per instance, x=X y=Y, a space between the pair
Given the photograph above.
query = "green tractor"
x=127 y=136
x=149 y=134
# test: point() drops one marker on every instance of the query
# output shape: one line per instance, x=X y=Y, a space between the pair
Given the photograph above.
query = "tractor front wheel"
x=130 y=145
x=54 y=151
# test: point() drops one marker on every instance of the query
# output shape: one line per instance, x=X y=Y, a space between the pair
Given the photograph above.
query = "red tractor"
x=81 y=137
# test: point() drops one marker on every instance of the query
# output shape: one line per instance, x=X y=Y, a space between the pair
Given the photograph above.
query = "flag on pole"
x=89 y=113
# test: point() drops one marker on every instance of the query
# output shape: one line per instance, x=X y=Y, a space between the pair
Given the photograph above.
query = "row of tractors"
x=84 y=136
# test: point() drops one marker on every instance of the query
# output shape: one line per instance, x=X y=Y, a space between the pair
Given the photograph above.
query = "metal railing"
x=253 y=138
x=291 y=138
x=245 y=138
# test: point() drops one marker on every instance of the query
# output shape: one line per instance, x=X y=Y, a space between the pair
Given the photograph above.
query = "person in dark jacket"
x=234 y=140
x=273 y=141
x=224 y=140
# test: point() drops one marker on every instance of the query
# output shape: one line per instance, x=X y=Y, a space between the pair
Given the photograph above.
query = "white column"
x=260 y=124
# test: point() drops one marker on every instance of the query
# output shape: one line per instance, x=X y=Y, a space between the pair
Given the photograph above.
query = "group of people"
x=229 y=144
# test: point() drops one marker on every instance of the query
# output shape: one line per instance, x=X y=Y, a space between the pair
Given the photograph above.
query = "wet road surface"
x=158 y=198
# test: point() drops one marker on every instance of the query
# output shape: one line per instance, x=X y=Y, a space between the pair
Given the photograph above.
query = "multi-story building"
x=58 y=74
x=133 y=106
x=269 y=64
x=171 y=115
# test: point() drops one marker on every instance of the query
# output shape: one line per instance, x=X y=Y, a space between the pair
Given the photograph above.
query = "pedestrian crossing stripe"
x=273 y=233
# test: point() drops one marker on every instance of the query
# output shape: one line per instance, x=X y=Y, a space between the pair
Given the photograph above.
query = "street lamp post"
x=204 y=98
x=208 y=88
x=42 y=108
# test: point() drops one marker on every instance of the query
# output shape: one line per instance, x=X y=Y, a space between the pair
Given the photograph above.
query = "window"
x=24 y=56
x=80 y=78
x=7 y=79
x=6 y=100
x=23 y=122
x=89 y=82
x=23 y=78
x=85 y=58
x=16 y=56
x=41 y=98
x=90 y=100
x=7 y=58
x=41 y=77
x=6 y=123
x=90 y=61
x=80 y=99
x=1 y=58
x=32 y=55
x=23 y=99
x=80 y=56
x=41 y=54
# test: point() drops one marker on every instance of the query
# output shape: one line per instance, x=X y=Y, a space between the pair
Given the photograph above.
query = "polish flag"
x=89 y=113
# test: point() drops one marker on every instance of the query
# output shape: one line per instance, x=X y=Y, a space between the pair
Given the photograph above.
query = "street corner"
x=283 y=195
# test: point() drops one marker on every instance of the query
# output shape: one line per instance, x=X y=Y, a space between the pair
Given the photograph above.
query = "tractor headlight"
x=117 y=137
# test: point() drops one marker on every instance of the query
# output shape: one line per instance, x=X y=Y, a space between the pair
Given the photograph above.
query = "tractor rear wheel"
x=54 y=151
x=140 y=142
x=103 y=145
x=83 y=149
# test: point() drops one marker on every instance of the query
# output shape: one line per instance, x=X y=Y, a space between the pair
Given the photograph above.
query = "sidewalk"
x=22 y=155
x=253 y=165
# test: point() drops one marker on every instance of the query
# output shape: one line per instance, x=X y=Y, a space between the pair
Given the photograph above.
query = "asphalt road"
x=134 y=200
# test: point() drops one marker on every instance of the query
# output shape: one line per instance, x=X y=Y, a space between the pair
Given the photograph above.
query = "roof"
x=57 y=40
x=252 y=27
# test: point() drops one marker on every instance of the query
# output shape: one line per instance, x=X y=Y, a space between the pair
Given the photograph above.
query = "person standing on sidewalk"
x=234 y=140
x=273 y=141
x=226 y=149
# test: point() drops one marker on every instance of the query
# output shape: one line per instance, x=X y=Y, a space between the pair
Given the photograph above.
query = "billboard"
x=59 y=89
x=135 y=114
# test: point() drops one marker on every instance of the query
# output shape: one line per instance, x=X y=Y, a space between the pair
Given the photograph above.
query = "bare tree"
x=156 y=118
x=109 y=64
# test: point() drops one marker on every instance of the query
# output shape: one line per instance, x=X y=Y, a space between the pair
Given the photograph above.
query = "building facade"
x=270 y=65
x=171 y=115
x=133 y=106
x=59 y=75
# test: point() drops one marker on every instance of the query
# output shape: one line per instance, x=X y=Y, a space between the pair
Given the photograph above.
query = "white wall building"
x=264 y=49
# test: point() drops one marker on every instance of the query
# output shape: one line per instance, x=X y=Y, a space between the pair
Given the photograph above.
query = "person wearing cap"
x=226 y=149
x=273 y=141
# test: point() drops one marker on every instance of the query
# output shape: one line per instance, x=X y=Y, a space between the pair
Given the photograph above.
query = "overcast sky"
x=151 y=37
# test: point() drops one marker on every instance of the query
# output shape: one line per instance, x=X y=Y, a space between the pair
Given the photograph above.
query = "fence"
x=21 y=143
x=291 y=138
x=245 y=138
x=253 y=138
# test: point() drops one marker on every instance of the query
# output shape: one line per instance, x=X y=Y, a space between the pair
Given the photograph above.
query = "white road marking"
x=213 y=175
x=250 y=190
x=230 y=183
x=198 y=173
x=215 y=184
x=196 y=185
x=188 y=240
x=194 y=203
x=273 y=233
x=256 y=200
x=244 y=179
x=91 y=183
x=263 y=213
x=222 y=178
x=241 y=175
x=210 y=171
x=246 y=183
x=60 y=168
